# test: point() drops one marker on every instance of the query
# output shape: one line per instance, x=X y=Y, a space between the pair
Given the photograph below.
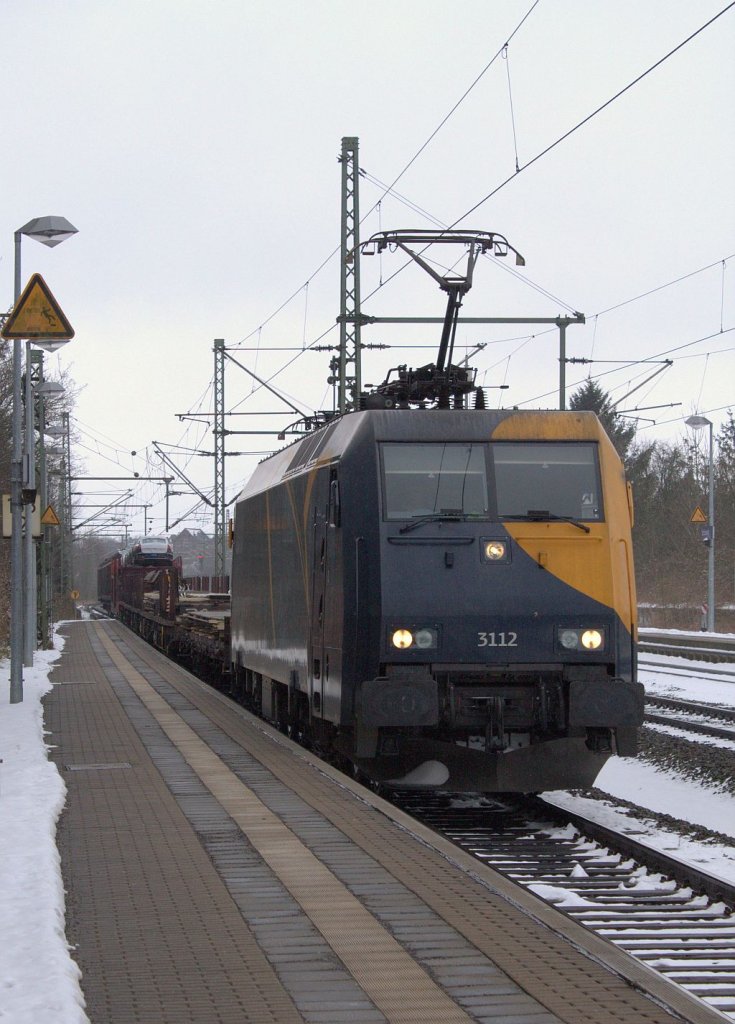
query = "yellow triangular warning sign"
x=698 y=516
x=37 y=314
x=49 y=517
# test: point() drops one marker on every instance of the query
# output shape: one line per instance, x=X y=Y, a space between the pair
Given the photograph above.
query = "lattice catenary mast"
x=350 y=383
x=219 y=457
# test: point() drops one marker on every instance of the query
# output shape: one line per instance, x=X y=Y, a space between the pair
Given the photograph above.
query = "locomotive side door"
x=325 y=641
x=317 y=659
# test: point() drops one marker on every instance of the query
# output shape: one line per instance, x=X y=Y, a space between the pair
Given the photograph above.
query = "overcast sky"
x=194 y=146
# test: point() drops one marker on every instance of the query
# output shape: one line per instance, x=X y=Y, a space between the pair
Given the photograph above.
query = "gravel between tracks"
x=709 y=764
x=665 y=822
x=706 y=764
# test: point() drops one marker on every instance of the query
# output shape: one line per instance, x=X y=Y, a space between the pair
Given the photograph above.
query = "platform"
x=217 y=872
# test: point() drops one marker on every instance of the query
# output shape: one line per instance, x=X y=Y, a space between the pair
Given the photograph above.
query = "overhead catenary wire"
x=466 y=93
x=618 y=305
x=704 y=412
x=527 y=339
x=510 y=101
x=704 y=375
x=580 y=124
x=306 y=314
x=524 y=167
x=722 y=294
x=661 y=287
x=398 y=177
x=666 y=352
x=443 y=226
x=532 y=337
x=142 y=489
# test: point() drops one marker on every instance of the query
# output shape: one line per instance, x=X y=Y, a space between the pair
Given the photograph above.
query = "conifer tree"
x=592 y=397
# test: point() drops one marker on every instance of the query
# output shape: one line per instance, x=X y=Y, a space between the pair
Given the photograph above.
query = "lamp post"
x=697 y=422
x=49 y=231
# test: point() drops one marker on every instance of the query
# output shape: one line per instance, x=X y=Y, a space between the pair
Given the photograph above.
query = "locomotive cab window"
x=546 y=480
x=434 y=479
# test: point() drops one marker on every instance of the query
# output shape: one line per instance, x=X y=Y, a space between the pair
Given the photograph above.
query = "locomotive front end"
x=507 y=605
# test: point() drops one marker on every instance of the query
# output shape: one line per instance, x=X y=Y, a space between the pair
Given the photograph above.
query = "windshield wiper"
x=445 y=515
x=541 y=515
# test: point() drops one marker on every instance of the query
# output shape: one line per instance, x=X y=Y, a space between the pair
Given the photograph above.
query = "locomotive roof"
x=332 y=441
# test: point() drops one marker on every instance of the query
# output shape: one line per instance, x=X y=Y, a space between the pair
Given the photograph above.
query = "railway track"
x=703 y=719
x=677 y=919
x=697 y=647
x=702 y=670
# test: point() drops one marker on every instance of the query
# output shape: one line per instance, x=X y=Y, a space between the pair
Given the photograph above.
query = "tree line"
x=670 y=479
x=61 y=604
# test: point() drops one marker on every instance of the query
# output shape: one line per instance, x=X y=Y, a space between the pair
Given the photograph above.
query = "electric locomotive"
x=442 y=595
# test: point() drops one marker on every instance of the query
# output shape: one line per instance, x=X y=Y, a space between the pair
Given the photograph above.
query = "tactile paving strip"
x=155 y=933
x=320 y=985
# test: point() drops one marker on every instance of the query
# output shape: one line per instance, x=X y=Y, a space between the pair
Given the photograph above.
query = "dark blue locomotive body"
x=443 y=596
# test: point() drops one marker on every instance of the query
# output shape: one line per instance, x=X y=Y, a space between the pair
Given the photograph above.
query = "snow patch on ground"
x=668 y=793
x=39 y=981
x=636 y=781
x=560 y=897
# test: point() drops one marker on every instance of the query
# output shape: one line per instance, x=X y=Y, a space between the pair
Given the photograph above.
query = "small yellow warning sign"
x=37 y=314
x=698 y=516
x=49 y=517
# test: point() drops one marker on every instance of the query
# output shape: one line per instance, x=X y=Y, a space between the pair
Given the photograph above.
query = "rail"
x=698 y=647
x=680 y=925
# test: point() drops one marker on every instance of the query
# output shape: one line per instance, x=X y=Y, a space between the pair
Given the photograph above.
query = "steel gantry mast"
x=67 y=556
x=219 y=457
x=349 y=382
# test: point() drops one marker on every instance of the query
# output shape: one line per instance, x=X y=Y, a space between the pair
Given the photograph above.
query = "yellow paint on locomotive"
x=599 y=563
x=299 y=533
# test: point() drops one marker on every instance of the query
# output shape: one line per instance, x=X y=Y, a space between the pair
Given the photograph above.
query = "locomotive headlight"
x=495 y=550
x=591 y=639
x=569 y=638
x=402 y=639
x=581 y=639
x=419 y=638
x=425 y=638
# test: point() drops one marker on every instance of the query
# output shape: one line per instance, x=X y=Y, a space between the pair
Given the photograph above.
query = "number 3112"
x=508 y=639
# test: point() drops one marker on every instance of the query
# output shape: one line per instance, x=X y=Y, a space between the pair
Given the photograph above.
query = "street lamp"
x=51 y=389
x=49 y=231
x=697 y=422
